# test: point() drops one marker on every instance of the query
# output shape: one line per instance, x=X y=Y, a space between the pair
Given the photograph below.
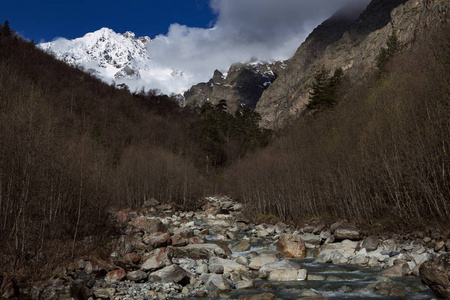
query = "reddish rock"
x=157 y=239
x=158 y=259
x=178 y=240
x=116 y=275
x=132 y=258
x=292 y=246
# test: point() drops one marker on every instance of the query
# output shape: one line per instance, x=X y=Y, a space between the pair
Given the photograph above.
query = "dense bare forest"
x=73 y=147
x=379 y=156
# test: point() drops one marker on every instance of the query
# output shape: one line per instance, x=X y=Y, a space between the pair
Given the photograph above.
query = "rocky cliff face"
x=242 y=86
x=352 y=45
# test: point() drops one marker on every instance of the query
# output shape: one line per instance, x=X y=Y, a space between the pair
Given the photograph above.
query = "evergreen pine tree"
x=6 y=31
x=324 y=88
x=386 y=54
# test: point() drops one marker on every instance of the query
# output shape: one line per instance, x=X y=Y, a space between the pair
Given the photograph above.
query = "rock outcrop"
x=241 y=87
x=343 y=42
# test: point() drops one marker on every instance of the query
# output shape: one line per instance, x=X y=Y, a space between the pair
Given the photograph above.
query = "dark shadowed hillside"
x=379 y=156
x=71 y=147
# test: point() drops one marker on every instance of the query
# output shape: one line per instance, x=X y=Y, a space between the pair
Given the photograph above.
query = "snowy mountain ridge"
x=117 y=58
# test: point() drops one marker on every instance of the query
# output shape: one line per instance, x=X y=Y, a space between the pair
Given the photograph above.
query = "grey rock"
x=243 y=245
x=218 y=282
x=137 y=275
x=345 y=232
x=228 y=265
x=202 y=269
x=311 y=240
x=245 y=284
x=216 y=268
x=199 y=251
x=158 y=259
x=398 y=270
x=242 y=260
x=370 y=243
x=439 y=245
x=288 y=275
x=279 y=265
x=280 y=227
x=257 y=262
x=173 y=273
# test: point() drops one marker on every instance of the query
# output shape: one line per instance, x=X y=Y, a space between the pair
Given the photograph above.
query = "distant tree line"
x=224 y=137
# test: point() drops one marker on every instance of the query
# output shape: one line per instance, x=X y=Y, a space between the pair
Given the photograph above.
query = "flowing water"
x=339 y=282
x=334 y=282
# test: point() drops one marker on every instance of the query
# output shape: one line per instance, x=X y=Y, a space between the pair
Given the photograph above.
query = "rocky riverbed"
x=217 y=253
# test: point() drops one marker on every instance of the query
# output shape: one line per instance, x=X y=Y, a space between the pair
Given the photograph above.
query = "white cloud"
x=264 y=29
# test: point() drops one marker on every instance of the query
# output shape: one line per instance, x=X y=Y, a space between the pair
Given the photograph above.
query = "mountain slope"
x=354 y=51
x=241 y=86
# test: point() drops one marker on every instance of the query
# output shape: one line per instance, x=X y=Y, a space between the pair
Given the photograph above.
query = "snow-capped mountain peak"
x=113 y=57
x=108 y=54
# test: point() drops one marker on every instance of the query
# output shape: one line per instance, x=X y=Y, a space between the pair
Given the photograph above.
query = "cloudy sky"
x=195 y=36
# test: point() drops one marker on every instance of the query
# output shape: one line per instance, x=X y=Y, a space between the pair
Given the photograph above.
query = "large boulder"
x=199 y=251
x=172 y=273
x=136 y=275
x=257 y=262
x=132 y=258
x=292 y=246
x=397 y=270
x=311 y=240
x=116 y=275
x=157 y=239
x=158 y=259
x=344 y=232
x=288 y=275
x=436 y=274
x=218 y=282
x=279 y=265
x=370 y=243
x=228 y=265
x=243 y=245
x=149 y=225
